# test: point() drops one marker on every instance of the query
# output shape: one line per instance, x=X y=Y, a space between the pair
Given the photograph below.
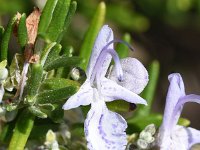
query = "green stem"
x=22 y=131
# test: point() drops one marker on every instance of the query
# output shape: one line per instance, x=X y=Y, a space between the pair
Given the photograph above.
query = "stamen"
x=181 y=102
x=118 y=41
x=100 y=61
x=113 y=53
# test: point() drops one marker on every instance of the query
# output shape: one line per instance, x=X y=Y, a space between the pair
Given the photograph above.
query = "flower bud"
x=151 y=129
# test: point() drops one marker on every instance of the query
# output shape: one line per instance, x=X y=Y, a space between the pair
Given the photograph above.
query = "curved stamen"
x=116 y=58
x=101 y=59
x=179 y=106
x=118 y=41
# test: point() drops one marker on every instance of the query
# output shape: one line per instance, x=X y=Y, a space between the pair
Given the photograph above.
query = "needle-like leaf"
x=68 y=19
x=58 y=20
x=6 y=37
x=55 y=96
x=22 y=31
x=62 y=61
x=47 y=15
x=96 y=24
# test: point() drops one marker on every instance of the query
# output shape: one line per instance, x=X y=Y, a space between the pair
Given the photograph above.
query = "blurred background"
x=166 y=30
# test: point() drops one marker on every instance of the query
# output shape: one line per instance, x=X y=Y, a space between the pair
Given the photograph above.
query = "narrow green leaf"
x=53 y=54
x=1 y=30
x=1 y=33
x=62 y=61
x=92 y=32
x=63 y=72
x=57 y=83
x=149 y=91
x=37 y=112
x=55 y=96
x=58 y=20
x=46 y=52
x=34 y=81
x=22 y=31
x=122 y=49
x=47 y=106
x=70 y=14
x=47 y=14
x=6 y=38
x=22 y=131
x=6 y=132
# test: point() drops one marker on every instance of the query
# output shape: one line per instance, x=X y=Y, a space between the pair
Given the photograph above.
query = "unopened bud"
x=151 y=129
x=146 y=136
x=142 y=144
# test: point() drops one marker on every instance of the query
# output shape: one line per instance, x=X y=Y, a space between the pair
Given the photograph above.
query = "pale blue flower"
x=172 y=136
x=105 y=129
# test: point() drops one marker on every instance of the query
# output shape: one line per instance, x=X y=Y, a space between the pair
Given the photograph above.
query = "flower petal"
x=135 y=75
x=104 y=37
x=113 y=91
x=177 y=110
x=179 y=139
x=83 y=97
x=104 y=129
x=23 y=79
x=183 y=138
x=175 y=91
x=193 y=136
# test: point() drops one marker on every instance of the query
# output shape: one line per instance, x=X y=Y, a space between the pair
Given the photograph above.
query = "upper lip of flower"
x=175 y=100
x=97 y=89
x=97 y=68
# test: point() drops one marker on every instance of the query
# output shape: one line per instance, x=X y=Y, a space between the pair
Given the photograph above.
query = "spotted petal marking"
x=113 y=91
x=135 y=76
x=181 y=138
x=104 y=129
x=83 y=97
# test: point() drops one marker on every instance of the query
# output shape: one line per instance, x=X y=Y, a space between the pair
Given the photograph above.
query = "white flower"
x=105 y=129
